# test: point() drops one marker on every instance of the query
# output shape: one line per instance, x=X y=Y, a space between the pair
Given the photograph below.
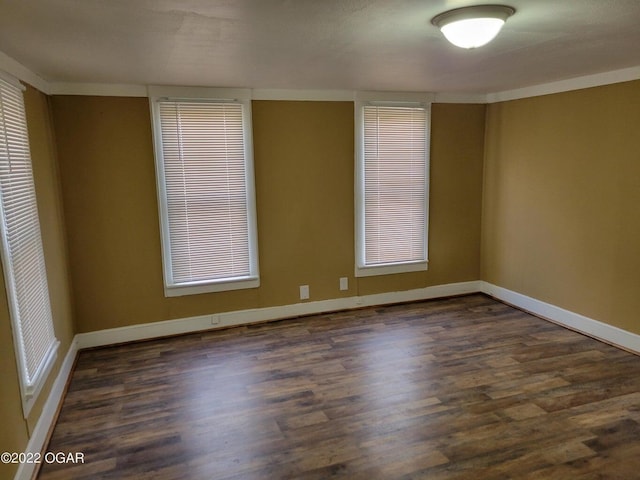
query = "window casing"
x=204 y=166
x=22 y=253
x=392 y=184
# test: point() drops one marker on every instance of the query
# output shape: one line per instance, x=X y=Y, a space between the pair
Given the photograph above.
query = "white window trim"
x=243 y=97
x=390 y=99
x=29 y=390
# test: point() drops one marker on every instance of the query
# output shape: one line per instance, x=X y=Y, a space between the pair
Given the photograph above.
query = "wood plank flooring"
x=458 y=388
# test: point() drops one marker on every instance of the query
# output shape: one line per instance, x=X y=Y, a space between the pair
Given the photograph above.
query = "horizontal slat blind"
x=395 y=191
x=23 y=257
x=206 y=190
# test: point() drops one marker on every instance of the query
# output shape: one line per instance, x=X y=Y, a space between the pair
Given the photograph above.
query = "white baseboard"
x=607 y=333
x=593 y=328
x=40 y=433
x=575 y=321
x=241 y=317
x=206 y=322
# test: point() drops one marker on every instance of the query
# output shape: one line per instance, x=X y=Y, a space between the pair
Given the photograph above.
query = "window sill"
x=31 y=392
x=390 y=269
x=222 y=286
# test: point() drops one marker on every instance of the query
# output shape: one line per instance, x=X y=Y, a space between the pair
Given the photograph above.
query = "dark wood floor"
x=459 y=388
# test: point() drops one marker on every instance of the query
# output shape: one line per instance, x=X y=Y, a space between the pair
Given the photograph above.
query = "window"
x=204 y=166
x=22 y=254
x=392 y=171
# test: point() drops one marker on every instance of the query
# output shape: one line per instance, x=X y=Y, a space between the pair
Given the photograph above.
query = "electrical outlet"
x=344 y=283
x=215 y=319
x=304 y=292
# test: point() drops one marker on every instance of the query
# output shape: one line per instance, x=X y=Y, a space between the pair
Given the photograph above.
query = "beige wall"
x=304 y=194
x=304 y=156
x=15 y=430
x=555 y=216
x=561 y=217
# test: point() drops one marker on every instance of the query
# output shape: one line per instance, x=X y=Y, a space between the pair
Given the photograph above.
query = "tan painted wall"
x=561 y=217
x=304 y=185
x=15 y=431
x=558 y=210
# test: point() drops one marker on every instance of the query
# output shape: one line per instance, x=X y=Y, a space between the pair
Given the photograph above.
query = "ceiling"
x=313 y=44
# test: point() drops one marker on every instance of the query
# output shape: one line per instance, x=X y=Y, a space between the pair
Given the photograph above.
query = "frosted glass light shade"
x=472 y=27
x=473 y=32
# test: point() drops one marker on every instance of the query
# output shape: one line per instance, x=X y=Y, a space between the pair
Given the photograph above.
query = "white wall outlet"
x=344 y=283
x=304 y=292
x=215 y=319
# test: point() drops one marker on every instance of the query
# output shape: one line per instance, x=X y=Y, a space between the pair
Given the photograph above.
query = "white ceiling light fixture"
x=473 y=26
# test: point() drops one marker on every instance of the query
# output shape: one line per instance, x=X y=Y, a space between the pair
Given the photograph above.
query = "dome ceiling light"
x=474 y=26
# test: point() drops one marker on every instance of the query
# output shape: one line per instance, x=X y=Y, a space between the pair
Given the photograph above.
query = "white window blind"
x=207 y=201
x=22 y=253
x=394 y=190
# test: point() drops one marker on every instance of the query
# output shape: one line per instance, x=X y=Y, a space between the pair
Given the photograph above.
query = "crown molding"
x=15 y=68
x=302 y=95
x=576 y=83
x=24 y=74
x=460 y=98
x=98 y=89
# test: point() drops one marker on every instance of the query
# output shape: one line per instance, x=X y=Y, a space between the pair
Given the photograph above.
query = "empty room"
x=310 y=239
